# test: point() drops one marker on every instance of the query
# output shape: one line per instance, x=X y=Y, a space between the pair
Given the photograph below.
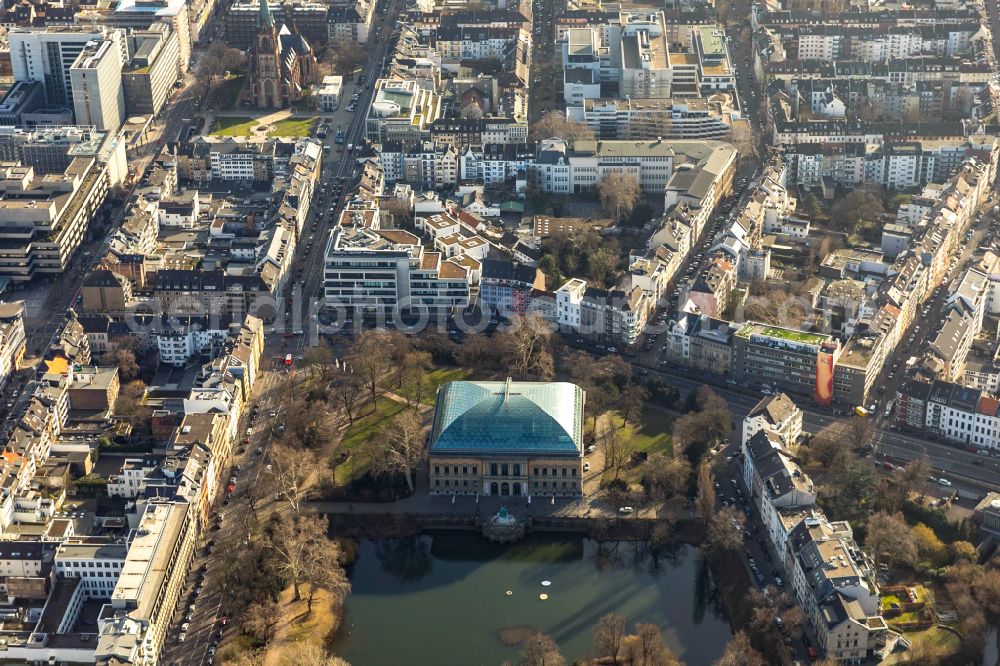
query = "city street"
x=201 y=611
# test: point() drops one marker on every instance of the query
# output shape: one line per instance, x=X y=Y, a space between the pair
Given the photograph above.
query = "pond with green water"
x=454 y=599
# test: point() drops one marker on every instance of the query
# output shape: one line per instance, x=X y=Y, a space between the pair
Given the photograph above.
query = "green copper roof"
x=509 y=417
x=264 y=17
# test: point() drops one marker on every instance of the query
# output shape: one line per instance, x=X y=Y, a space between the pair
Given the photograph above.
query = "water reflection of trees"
x=407 y=559
x=639 y=555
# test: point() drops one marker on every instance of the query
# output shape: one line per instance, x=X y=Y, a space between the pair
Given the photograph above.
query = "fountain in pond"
x=503 y=527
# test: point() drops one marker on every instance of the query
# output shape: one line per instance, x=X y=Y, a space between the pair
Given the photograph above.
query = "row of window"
x=566 y=485
x=504 y=469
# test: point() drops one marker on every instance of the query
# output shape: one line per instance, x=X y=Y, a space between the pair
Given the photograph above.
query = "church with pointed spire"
x=282 y=64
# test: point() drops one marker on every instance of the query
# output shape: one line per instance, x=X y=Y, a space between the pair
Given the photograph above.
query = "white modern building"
x=48 y=54
x=614 y=316
x=96 y=80
x=389 y=271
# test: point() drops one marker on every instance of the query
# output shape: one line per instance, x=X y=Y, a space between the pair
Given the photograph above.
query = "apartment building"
x=389 y=271
x=96 y=82
x=898 y=165
x=778 y=486
x=953 y=412
x=506 y=286
x=496 y=164
x=179 y=339
x=700 y=342
x=835 y=583
x=778 y=415
x=611 y=316
x=12 y=339
x=712 y=292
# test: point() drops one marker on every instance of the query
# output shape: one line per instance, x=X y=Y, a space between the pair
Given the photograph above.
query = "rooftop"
x=509 y=417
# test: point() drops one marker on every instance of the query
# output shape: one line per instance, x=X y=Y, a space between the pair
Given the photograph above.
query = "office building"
x=786 y=359
x=96 y=82
x=132 y=627
x=150 y=75
x=401 y=111
x=647 y=119
x=47 y=55
x=144 y=14
x=24 y=97
x=43 y=218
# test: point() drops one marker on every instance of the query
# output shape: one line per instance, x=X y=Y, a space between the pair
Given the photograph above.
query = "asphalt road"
x=336 y=182
x=201 y=601
x=972 y=474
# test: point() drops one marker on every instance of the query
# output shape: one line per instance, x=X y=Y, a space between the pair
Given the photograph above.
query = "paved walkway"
x=423 y=504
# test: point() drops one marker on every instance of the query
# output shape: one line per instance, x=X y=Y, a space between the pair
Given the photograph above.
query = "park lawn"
x=935 y=640
x=357 y=439
x=234 y=126
x=652 y=435
x=434 y=380
x=225 y=94
x=294 y=127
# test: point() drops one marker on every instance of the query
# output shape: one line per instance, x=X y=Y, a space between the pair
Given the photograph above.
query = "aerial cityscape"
x=499 y=332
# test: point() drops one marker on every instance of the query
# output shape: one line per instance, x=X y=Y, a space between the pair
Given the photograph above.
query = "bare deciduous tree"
x=889 y=539
x=400 y=210
x=122 y=356
x=370 y=360
x=309 y=653
x=293 y=541
x=609 y=636
x=260 y=619
x=554 y=124
x=540 y=650
x=646 y=648
x=725 y=530
x=293 y=471
x=529 y=346
x=325 y=570
x=399 y=448
x=632 y=401
x=739 y=652
x=346 y=55
x=705 y=502
x=619 y=193
x=346 y=392
x=617 y=451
